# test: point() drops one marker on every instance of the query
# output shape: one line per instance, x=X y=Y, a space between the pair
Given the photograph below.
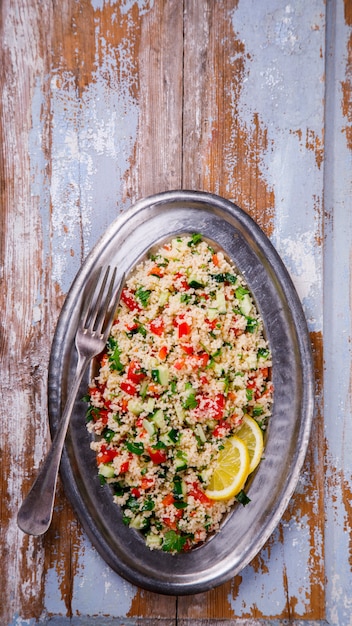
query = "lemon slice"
x=251 y=434
x=230 y=472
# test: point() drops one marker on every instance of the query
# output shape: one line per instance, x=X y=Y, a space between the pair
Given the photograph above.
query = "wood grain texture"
x=104 y=102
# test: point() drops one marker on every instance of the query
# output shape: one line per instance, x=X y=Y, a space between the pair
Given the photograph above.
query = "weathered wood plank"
x=232 y=142
x=106 y=102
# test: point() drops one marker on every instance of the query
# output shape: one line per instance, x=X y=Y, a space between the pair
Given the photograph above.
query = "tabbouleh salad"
x=185 y=362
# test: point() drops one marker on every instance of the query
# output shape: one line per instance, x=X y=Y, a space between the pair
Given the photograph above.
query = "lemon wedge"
x=231 y=470
x=252 y=435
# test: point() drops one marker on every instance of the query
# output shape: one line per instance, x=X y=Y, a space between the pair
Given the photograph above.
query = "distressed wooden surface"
x=104 y=102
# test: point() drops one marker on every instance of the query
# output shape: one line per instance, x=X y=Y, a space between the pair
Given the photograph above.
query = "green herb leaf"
x=143 y=296
x=252 y=324
x=224 y=277
x=241 y=292
x=242 y=498
x=195 y=284
x=135 y=447
x=190 y=402
x=195 y=239
x=173 y=542
x=180 y=504
x=263 y=353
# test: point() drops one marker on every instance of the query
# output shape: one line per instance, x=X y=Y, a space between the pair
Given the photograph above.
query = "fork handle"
x=35 y=513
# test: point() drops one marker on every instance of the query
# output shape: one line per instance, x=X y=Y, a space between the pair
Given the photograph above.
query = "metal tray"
x=246 y=529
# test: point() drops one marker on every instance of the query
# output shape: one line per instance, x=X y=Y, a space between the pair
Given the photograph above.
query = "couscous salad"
x=182 y=395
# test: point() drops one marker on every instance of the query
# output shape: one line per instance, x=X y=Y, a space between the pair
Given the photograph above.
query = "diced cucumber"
x=149 y=405
x=245 y=305
x=181 y=460
x=159 y=419
x=200 y=433
x=220 y=302
x=161 y=375
x=212 y=314
x=135 y=406
x=138 y=522
x=166 y=440
x=163 y=298
x=149 y=426
x=153 y=541
x=179 y=412
x=143 y=388
x=251 y=361
x=218 y=369
x=106 y=470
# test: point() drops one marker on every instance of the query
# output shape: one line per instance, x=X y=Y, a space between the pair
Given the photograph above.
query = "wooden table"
x=104 y=102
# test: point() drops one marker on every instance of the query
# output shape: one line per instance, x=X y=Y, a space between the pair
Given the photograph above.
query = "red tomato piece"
x=135 y=492
x=221 y=429
x=156 y=271
x=157 y=456
x=181 y=281
x=163 y=352
x=187 y=348
x=199 y=495
x=129 y=300
x=135 y=372
x=212 y=407
x=106 y=455
x=128 y=388
x=124 y=467
x=157 y=326
x=147 y=483
x=202 y=359
x=168 y=499
x=184 y=329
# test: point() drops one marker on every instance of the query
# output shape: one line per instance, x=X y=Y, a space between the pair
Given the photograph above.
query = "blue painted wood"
x=297 y=67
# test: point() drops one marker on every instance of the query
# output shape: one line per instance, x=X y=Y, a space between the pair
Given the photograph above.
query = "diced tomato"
x=106 y=455
x=124 y=405
x=129 y=300
x=95 y=393
x=212 y=323
x=168 y=499
x=163 y=352
x=128 y=388
x=179 y=364
x=157 y=456
x=181 y=281
x=265 y=372
x=221 y=428
x=104 y=359
x=147 y=483
x=212 y=407
x=157 y=326
x=153 y=389
x=135 y=372
x=215 y=259
x=103 y=415
x=131 y=327
x=135 y=492
x=170 y=523
x=124 y=467
x=187 y=348
x=203 y=379
x=199 y=495
x=184 y=329
x=202 y=359
x=156 y=271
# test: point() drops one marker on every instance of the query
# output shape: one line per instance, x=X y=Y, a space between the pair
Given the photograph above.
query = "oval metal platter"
x=246 y=529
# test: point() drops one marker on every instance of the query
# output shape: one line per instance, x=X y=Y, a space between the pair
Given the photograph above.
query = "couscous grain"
x=186 y=360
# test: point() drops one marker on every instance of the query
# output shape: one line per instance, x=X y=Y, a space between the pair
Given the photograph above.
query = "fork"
x=35 y=514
